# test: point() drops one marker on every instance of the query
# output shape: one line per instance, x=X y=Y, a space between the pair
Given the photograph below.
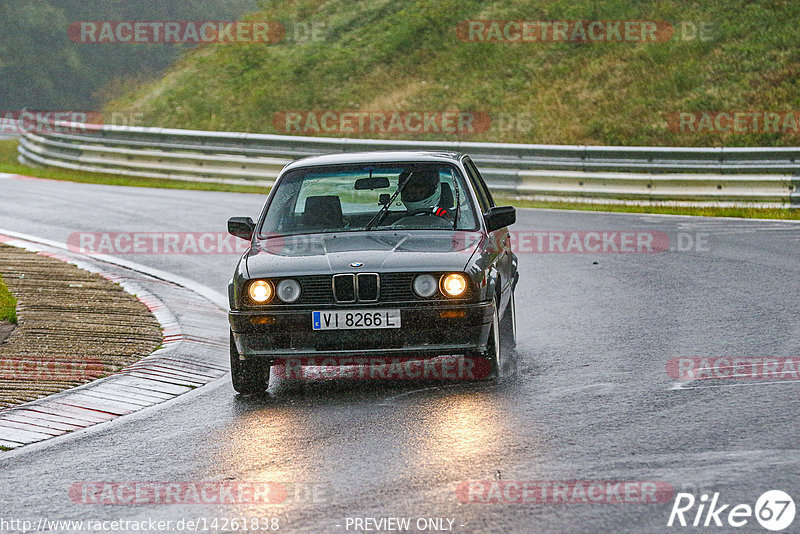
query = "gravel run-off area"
x=73 y=327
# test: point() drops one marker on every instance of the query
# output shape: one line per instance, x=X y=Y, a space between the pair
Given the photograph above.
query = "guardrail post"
x=794 y=196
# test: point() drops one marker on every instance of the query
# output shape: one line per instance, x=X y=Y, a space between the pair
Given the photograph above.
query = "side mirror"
x=241 y=227
x=500 y=217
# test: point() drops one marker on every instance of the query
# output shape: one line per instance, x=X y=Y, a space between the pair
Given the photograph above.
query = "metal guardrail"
x=603 y=172
x=9 y=129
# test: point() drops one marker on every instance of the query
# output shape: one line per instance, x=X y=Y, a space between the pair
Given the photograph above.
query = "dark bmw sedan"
x=375 y=254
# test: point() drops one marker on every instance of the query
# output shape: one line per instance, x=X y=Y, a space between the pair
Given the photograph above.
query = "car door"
x=501 y=239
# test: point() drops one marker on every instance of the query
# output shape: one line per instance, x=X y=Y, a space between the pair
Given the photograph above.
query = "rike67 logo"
x=774 y=510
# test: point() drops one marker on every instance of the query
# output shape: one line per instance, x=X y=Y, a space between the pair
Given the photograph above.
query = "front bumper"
x=426 y=331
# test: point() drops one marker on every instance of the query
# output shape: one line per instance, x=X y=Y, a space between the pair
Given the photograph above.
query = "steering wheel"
x=422 y=220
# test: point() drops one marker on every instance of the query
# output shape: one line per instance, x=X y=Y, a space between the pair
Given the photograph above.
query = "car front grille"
x=315 y=290
x=368 y=287
x=361 y=287
x=344 y=288
x=397 y=287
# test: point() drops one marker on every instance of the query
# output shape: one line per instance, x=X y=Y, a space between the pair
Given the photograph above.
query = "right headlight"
x=424 y=285
x=454 y=284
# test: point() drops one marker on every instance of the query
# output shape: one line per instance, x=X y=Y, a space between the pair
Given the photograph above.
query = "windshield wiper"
x=378 y=217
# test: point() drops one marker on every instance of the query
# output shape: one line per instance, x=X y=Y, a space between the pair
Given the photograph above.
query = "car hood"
x=378 y=252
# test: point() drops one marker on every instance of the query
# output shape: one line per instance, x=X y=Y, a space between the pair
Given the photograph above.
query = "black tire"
x=494 y=347
x=248 y=376
x=508 y=325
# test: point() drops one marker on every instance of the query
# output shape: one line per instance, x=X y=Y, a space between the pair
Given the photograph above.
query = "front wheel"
x=494 y=349
x=508 y=325
x=248 y=376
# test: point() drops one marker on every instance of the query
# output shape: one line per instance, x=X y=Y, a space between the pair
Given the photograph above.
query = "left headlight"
x=454 y=284
x=288 y=290
x=260 y=291
x=424 y=285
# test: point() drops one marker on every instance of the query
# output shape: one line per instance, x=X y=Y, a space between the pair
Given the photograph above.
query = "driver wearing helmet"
x=422 y=192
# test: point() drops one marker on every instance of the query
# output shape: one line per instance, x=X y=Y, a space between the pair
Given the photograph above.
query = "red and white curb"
x=170 y=371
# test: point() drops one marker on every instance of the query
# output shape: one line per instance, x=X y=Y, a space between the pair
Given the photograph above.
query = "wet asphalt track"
x=590 y=400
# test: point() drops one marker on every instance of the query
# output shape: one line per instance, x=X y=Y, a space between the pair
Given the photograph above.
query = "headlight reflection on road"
x=444 y=435
x=459 y=428
x=265 y=445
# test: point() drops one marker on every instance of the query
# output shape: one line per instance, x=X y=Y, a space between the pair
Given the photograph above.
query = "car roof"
x=388 y=156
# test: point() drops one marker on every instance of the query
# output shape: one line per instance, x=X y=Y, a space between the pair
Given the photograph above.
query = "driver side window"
x=484 y=198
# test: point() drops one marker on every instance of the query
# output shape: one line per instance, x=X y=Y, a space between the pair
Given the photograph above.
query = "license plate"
x=355 y=319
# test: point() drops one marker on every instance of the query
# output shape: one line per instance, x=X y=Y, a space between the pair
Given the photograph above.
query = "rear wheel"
x=248 y=376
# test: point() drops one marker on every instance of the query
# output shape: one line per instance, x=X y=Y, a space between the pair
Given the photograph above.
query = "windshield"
x=422 y=196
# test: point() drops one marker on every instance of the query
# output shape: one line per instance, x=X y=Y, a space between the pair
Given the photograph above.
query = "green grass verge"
x=5 y=449
x=8 y=304
x=9 y=164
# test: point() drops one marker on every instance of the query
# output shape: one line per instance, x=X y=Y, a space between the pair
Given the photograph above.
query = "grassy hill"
x=384 y=55
x=41 y=68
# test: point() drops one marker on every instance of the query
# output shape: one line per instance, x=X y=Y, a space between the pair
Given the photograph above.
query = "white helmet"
x=422 y=191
